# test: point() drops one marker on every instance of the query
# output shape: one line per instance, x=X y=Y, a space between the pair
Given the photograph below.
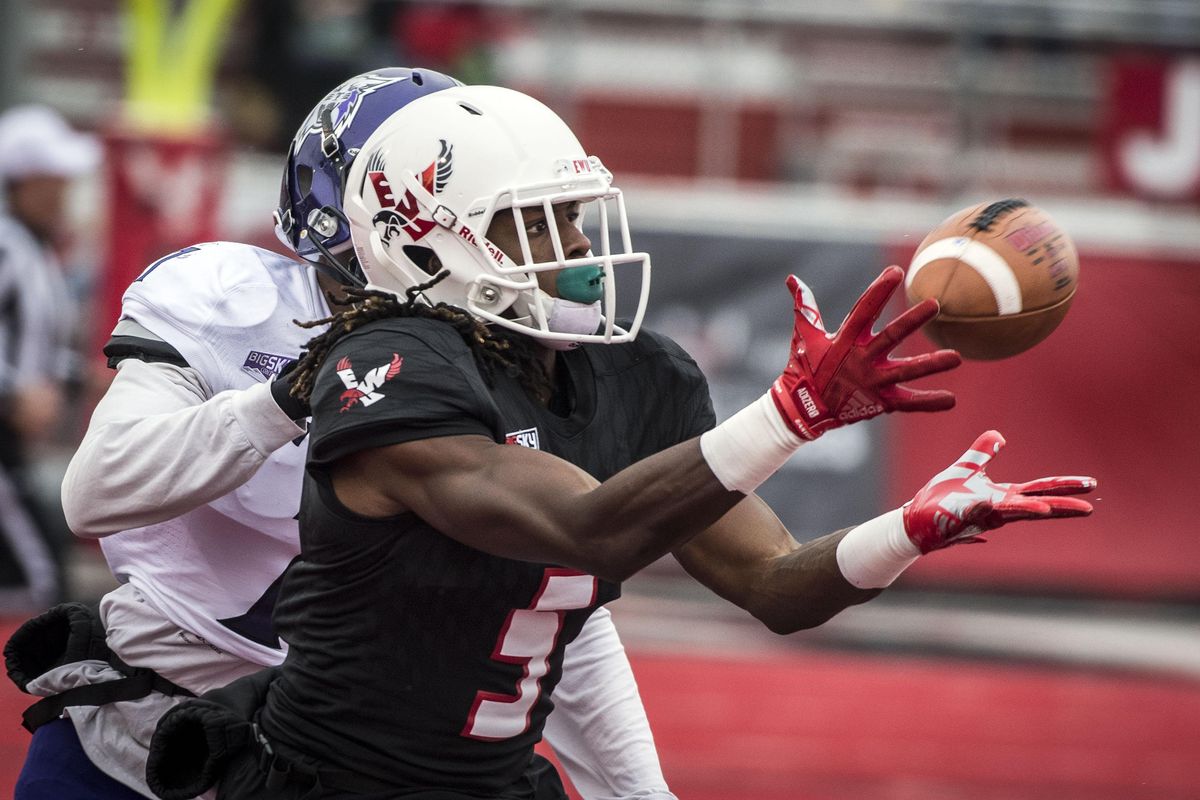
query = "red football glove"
x=962 y=501
x=834 y=379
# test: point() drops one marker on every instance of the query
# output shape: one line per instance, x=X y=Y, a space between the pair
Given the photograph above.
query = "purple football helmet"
x=309 y=219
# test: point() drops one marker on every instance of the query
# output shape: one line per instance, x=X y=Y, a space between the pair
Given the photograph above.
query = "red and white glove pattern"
x=834 y=379
x=961 y=502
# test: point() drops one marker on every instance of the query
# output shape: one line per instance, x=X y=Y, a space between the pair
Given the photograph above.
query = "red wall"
x=663 y=137
x=1114 y=393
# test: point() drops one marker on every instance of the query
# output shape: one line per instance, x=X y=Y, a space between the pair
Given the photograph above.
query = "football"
x=1004 y=274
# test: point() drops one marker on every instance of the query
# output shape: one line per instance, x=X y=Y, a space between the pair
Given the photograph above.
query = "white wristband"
x=746 y=449
x=874 y=554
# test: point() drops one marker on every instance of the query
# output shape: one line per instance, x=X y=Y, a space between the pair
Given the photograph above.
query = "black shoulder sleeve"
x=683 y=380
x=394 y=381
x=131 y=340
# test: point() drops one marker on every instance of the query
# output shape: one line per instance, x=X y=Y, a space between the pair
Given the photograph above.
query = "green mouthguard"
x=580 y=284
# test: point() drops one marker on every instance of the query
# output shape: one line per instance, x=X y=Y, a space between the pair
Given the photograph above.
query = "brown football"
x=1004 y=273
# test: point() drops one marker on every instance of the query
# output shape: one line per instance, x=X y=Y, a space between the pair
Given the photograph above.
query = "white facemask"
x=567 y=316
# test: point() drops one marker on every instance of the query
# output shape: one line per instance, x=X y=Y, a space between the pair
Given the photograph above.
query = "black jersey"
x=417 y=660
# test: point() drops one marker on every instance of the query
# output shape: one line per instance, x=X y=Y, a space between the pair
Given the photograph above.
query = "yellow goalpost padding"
x=171 y=61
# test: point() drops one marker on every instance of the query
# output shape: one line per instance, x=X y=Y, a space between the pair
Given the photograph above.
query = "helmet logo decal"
x=365 y=391
x=434 y=177
x=393 y=218
x=346 y=100
x=404 y=214
x=579 y=166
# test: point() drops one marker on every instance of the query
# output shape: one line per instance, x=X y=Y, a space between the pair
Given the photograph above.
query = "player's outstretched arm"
x=159 y=445
x=520 y=503
x=830 y=380
x=748 y=558
x=528 y=505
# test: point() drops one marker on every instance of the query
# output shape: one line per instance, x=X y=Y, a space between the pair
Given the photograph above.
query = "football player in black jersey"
x=493 y=453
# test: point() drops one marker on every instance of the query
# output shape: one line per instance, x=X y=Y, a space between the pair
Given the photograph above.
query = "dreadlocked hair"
x=493 y=351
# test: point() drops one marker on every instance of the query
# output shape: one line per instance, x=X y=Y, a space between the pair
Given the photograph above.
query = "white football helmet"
x=433 y=176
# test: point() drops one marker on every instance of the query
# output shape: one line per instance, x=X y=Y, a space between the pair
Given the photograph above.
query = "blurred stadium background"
x=755 y=138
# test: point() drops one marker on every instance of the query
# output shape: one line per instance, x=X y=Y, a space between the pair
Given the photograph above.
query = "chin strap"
x=346 y=274
x=331 y=146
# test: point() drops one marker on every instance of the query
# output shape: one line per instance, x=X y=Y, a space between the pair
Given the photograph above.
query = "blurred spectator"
x=39 y=155
x=298 y=48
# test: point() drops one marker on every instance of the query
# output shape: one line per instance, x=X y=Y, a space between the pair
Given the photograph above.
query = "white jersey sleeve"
x=166 y=439
x=159 y=445
x=598 y=728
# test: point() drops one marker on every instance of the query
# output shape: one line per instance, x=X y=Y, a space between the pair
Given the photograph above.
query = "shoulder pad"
x=183 y=290
x=437 y=335
x=653 y=342
x=648 y=344
x=206 y=300
x=131 y=340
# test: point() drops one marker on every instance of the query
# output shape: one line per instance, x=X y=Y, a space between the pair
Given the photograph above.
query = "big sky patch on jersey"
x=348 y=99
x=265 y=364
x=366 y=390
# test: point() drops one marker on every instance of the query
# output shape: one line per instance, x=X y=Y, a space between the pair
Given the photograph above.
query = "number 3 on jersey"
x=528 y=638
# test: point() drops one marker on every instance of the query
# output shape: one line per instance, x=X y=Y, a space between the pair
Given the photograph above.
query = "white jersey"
x=228 y=309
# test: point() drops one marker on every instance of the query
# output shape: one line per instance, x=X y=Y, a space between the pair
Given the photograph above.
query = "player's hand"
x=281 y=390
x=834 y=379
x=962 y=501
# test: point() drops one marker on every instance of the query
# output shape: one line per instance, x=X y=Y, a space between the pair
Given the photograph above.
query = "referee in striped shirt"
x=39 y=156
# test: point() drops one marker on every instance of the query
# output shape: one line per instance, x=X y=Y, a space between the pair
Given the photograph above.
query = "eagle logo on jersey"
x=365 y=391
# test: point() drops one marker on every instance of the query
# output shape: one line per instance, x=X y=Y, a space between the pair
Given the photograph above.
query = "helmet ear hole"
x=304 y=179
x=424 y=258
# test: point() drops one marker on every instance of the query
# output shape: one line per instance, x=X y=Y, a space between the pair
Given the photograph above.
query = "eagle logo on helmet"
x=389 y=224
x=402 y=214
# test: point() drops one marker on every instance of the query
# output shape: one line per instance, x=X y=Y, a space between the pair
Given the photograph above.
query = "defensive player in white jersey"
x=191 y=473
